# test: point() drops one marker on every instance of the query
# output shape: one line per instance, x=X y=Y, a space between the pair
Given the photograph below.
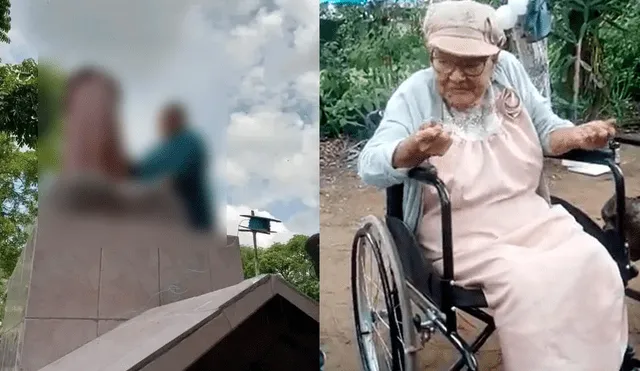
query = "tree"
x=5 y=20
x=289 y=260
x=18 y=205
x=18 y=200
x=19 y=101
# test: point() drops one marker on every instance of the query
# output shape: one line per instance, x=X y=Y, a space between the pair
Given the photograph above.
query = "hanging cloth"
x=537 y=20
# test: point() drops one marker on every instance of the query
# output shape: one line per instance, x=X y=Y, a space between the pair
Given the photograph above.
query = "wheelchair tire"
x=374 y=241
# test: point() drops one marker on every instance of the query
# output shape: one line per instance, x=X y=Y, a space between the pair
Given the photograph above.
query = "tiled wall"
x=82 y=275
x=13 y=322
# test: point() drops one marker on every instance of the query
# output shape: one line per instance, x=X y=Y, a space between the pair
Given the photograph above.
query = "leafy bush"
x=371 y=52
x=597 y=30
x=366 y=52
x=19 y=101
x=289 y=260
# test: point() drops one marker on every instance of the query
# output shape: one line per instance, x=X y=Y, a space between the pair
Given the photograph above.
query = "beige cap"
x=465 y=28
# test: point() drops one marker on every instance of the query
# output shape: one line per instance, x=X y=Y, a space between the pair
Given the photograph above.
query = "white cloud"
x=273 y=138
x=276 y=146
x=306 y=222
x=235 y=174
x=247 y=69
x=308 y=85
x=245 y=42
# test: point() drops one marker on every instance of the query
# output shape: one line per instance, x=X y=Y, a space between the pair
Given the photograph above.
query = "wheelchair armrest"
x=630 y=139
x=597 y=156
x=428 y=174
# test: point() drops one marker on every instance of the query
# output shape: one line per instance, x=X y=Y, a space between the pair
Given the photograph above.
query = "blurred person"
x=181 y=158
x=90 y=112
x=95 y=170
x=477 y=118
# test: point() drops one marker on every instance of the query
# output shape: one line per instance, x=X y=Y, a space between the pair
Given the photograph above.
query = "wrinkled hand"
x=594 y=134
x=430 y=140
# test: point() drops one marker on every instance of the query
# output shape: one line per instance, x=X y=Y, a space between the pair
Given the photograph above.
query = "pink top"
x=555 y=293
x=488 y=176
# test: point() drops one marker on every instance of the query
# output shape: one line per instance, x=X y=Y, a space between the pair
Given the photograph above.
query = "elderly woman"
x=555 y=293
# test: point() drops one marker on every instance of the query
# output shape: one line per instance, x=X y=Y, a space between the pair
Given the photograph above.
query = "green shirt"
x=182 y=158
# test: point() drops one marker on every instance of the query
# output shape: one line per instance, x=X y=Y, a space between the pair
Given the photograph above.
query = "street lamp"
x=257 y=224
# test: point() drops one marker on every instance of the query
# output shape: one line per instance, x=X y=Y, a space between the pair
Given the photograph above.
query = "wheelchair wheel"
x=385 y=331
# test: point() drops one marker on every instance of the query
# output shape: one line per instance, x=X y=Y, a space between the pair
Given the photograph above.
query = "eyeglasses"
x=469 y=67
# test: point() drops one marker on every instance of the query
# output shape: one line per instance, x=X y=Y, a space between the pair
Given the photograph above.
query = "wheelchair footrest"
x=468 y=358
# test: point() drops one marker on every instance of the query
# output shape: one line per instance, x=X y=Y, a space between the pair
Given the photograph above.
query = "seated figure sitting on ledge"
x=95 y=169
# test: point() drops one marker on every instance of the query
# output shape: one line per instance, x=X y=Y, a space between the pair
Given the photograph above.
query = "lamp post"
x=257 y=224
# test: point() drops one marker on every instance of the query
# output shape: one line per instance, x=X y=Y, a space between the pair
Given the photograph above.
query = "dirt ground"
x=344 y=201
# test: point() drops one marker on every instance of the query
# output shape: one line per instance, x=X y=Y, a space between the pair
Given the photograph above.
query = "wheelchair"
x=417 y=301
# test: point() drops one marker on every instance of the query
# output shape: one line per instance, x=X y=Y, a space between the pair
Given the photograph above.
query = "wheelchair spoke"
x=377 y=314
x=372 y=303
x=378 y=289
x=399 y=325
x=371 y=354
x=385 y=347
x=381 y=307
x=375 y=329
x=396 y=306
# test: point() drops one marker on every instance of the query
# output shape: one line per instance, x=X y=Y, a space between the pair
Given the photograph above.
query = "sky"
x=247 y=70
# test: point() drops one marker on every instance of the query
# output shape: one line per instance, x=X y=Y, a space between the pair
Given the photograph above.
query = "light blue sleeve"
x=544 y=119
x=375 y=161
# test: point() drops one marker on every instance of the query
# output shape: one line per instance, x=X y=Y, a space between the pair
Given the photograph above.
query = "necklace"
x=475 y=124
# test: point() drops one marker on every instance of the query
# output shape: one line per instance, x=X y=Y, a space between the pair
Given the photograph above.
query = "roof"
x=154 y=336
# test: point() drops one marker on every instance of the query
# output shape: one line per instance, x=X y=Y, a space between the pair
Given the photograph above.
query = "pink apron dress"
x=555 y=293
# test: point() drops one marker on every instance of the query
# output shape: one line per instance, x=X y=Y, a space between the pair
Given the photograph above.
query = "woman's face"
x=462 y=81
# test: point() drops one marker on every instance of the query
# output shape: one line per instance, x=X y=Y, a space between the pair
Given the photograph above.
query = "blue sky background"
x=247 y=69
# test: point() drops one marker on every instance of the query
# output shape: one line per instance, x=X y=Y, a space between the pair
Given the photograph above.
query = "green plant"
x=19 y=101
x=582 y=79
x=366 y=52
x=370 y=52
x=5 y=20
x=18 y=200
x=289 y=260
